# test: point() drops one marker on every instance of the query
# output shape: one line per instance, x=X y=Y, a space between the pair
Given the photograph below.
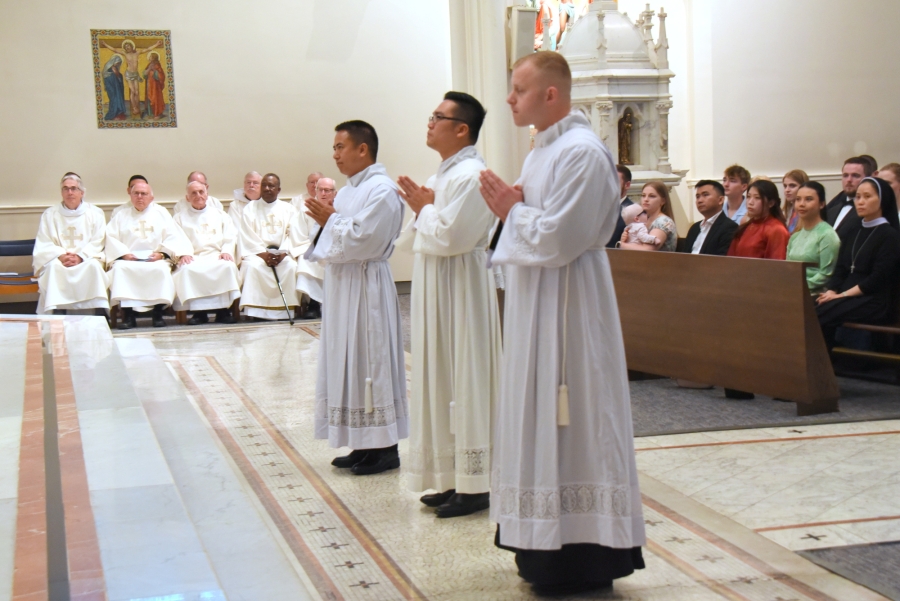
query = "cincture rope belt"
x=562 y=413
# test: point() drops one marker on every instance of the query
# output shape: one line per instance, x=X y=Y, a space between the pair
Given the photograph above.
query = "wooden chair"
x=745 y=324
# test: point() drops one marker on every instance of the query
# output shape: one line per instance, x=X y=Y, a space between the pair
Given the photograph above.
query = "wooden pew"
x=746 y=324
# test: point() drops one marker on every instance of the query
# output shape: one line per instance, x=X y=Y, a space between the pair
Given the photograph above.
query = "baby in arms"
x=635 y=218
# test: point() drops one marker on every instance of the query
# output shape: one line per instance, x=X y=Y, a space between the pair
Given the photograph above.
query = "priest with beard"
x=68 y=254
x=268 y=248
x=208 y=279
x=455 y=321
x=141 y=242
x=361 y=387
x=564 y=492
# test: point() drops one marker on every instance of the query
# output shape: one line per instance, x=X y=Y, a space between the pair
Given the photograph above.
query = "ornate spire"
x=662 y=45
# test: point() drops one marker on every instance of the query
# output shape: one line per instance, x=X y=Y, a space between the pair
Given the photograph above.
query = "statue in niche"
x=626 y=129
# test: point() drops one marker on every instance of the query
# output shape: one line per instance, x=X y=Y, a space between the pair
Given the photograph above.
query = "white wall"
x=259 y=85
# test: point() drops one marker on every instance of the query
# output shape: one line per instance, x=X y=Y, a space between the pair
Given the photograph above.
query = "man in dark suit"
x=712 y=235
x=624 y=185
x=839 y=211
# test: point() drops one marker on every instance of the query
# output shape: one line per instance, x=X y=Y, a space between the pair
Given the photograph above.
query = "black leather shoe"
x=313 y=310
x=461 y=504
x=128 y=320
x=348 y=461
x=59 y=311
x=225 y=316
x=377 y=461
x=157 y=316
x=437 y=499
x=197 y=318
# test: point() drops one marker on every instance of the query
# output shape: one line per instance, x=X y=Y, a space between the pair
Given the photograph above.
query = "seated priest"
x=299 y=202
x=244 y=196
x=311 y=274
x=183 y=203
x=127 y=203
x=208 y=279
x=140 y=244
x=68 y=253
x=269 y=250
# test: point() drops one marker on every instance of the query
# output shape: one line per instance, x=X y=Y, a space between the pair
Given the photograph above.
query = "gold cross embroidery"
x=71 y=238
x=144 y=228
x=271 y=224
x=206 y=232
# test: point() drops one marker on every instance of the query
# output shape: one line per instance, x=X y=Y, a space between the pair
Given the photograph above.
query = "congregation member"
x=206 y=280
x=141 y=242
x=299 y=202
x=185 y=202
x=244 y=196
x=840 y=212
x=736 y=180
x=311 y=274
x=564 y=414
x=361 y=386
x=624 y=185
x=713 y=234
x=68 y=258
x=891 y=174
x=864 y=282
x=873 y=164
x=763 y=234
x=268 y=248
x=660 y=220
x=813 y=241
x=455 y=323
x=791 y=182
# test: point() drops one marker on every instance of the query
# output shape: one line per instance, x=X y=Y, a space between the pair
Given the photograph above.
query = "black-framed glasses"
x=435 y=117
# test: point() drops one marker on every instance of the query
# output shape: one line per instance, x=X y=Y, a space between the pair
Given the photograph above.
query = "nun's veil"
x=888 y=201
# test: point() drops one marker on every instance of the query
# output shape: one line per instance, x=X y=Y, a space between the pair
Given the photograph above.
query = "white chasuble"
x=310 y=274
x=142 y=284
x=263 y=226
x=556 y=484
x=362 y=339
x=456 y=341
x=182 y=204
x=235 y=210
x=79 y=231
x=208 y=282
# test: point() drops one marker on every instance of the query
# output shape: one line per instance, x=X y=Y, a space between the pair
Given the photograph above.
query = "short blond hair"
x=552 y=65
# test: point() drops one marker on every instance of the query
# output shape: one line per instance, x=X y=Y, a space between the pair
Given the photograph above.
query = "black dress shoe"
x=59 y=311
x=437 y=499
x=565 y=590
x=461 y=504
x=157 y=317
x=128 y=320
x=350 y=460
x=197 y=318
x=377 y=461
x=313 y=310
x=225 y=316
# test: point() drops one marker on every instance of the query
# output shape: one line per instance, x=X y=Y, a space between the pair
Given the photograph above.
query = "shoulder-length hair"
x=769 y=193
x=663 y=192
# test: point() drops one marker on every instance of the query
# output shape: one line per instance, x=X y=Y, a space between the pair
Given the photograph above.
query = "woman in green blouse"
x=814 y=241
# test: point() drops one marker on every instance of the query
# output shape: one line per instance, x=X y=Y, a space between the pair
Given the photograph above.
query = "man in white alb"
x=127 y=203
x=361 y=387
x=68 y=254
x=208 y=279
x=140 y=245
x=311 y=274
x=299 y=202
x=564 y=492
x=455 y=321
x=266 y=243
x=244 y=196
x=183 y=203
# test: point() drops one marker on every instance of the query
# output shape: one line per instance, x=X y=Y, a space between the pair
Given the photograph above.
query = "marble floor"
x=203 y=482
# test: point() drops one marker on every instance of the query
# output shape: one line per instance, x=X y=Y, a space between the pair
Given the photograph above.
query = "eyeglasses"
x=71 y=189
x=435 y=117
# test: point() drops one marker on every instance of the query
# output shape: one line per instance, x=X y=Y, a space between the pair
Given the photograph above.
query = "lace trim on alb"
x=525 y=218
x=338 y=228
x=464 y=462
x=549 y=504
x=358 y=418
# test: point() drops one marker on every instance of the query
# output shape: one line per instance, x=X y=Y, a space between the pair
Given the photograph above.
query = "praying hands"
x=415 y=196
x=70 y=259
x=500 y=196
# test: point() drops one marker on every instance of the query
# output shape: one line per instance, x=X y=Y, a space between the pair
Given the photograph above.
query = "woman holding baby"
x=653 y=227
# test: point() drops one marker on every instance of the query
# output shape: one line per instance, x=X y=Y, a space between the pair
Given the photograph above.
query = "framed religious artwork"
x=133 y=78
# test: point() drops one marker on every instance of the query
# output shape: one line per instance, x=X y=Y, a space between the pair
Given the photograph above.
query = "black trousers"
x=856 y=309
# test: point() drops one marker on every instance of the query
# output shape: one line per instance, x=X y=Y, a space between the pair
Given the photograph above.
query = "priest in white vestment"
x=68 y=254
x=183 y=203
x=127 y=204
x=243 y=197
x=361 y=386
x=564 y=492
x=208 y=279
x=266 y=243
x=455 y=322
x=299 y=202
x=141 y=242
x=311 y=274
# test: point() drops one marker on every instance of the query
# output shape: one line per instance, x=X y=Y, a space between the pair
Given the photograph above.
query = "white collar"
x=77 y=211
x=712 y=219
x=874 y=222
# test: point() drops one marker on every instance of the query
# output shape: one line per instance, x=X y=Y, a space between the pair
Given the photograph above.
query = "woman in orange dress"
x=763 y=235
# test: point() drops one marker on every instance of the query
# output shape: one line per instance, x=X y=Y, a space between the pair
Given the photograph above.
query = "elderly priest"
x=208 y=279
x=311 y=274
x=141 y=241
x=68 y=253
x=268 y=248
